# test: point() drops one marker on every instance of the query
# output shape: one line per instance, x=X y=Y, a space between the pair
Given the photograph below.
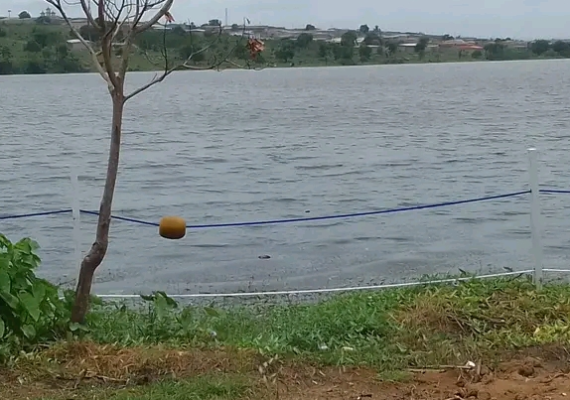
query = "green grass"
x=388 y=329
x=163 y=350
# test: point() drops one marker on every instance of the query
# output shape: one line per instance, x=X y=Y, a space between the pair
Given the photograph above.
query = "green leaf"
x=40 y=292
x=74 y=327
x=31 y=305
x=169 y=301
x=11 y=300
x=147 y=297
x=161 y=307
x=5 y=282
x=2 y=328
x=212 y=312
x=29 y=331
x=4 y=261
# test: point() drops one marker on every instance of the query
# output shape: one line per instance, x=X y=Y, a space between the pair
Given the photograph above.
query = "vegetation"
x=30 y=309
x=38 y=47
x=167 y=350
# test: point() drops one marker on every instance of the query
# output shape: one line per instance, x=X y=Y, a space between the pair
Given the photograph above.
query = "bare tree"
x=120 y=19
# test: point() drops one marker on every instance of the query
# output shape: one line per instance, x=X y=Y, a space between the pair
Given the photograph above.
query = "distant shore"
x=34 y=48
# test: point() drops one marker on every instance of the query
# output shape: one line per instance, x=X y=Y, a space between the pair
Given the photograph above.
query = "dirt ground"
x=82 y=368
x=524 y=380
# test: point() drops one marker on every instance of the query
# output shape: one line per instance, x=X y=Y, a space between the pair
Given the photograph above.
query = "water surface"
x=286 y=143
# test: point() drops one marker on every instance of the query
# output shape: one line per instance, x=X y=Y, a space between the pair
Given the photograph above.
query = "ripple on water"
x=434 y=133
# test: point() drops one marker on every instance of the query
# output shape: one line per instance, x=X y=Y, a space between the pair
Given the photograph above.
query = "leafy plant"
x=167 y=320
x=30 y=308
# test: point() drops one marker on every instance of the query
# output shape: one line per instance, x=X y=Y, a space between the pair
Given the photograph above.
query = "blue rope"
x=38 y=214
x=326 y=217
x=361 y=214
x=136 y=221
x=554 y=191
x=291 y=220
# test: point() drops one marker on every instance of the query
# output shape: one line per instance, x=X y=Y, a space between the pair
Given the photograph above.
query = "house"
x=76 y=45
x=411 y=46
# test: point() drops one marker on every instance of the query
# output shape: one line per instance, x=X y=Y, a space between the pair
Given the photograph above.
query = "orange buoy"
x=172 y=227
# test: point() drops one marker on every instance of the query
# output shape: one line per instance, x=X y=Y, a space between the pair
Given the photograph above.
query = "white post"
x=535 y=217
x=76 y=214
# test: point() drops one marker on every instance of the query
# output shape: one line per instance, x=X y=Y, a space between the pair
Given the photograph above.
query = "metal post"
x=76 y=215
x=535 y=218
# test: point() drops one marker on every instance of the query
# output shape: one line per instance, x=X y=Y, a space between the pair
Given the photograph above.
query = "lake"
x=285 y=143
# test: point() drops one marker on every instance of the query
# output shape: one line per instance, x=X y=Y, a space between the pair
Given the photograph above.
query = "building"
x=76 y=45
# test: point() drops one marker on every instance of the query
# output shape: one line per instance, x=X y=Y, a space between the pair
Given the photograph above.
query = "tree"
x=89 y=32
x=476 y=55
x=62 y=51
x=364 y=52
x=24 y=15
x=6 y=66
x=303 y=40
x=540 y=47
x=447 y=37
x=341 y=52
x=364 y=29
x=5 y=53
x=192 y=52
x=392 y=48
x=43 y=20
x=372 y=39
x=215 y=22
x=310 y=27
x=178 y=30
x=32 y=46
x=421 y=46
x=235 y=27
x=129 y=17
x=562 y=48
x=348 y=39
x=494 y=51
x=324 y=51
x=286 y=51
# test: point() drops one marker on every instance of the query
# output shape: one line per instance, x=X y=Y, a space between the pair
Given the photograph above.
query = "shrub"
x=30 y=308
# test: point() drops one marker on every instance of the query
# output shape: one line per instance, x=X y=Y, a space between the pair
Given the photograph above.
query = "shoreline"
x=485 y=333
x=297 y=67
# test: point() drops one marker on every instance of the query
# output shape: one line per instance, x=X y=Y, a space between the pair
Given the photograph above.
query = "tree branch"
x=161 y=13
x=107 y=44
x=94 y=55
x=186 y=64
x=85 y=8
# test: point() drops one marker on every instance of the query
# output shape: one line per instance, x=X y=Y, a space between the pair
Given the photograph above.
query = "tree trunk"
x=99 y=248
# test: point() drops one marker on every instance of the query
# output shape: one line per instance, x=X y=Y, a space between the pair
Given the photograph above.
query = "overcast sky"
x=525 y=19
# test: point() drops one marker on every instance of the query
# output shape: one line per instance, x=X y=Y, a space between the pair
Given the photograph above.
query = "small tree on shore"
x=118 y=23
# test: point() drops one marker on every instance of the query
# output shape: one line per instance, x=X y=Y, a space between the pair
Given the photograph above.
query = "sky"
x=523 y=19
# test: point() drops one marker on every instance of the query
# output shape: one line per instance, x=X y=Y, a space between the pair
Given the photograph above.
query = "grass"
x=203 y=388
x=200 y=388
x=164 y=350
x=387 y=329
